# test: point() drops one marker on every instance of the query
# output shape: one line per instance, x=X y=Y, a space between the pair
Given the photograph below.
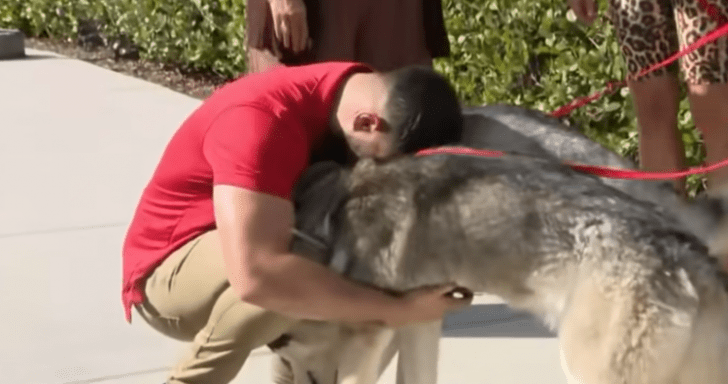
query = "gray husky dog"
x=524 y=131
x=619 y=268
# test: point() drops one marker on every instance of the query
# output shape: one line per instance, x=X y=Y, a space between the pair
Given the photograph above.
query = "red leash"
x=713 y=12
x=611 y=87
x=618 y=173
x=609 y=172
x=459 y=151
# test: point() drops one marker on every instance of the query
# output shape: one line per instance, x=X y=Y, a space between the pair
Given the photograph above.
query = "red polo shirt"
x=256 y=133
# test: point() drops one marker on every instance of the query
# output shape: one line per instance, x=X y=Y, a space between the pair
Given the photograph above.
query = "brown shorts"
x=386 y=34
x=650 y=31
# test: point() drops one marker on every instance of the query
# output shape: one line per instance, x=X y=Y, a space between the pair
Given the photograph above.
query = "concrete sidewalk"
x=77 y=145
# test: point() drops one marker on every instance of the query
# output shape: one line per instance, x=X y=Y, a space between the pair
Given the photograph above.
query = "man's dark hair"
x=422 y=109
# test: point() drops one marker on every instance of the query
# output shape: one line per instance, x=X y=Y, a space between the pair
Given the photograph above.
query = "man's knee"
x=243 y=324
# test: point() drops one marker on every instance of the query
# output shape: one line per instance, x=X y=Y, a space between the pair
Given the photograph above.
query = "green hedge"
x=524 y=52
x=535 y=54
x=196 y=34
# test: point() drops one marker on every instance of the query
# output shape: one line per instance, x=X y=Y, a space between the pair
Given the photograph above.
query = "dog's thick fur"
x=630 y=288
x=525 y=131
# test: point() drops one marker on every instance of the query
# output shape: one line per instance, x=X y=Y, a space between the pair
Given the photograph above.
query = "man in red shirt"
x=206 y=258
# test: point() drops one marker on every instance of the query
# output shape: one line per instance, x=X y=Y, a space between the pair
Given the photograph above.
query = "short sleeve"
x=251 y=148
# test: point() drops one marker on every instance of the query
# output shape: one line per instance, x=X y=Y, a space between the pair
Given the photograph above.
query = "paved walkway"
x=77 y=145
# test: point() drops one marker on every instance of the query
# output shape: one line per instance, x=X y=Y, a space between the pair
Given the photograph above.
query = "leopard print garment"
x=650 y=31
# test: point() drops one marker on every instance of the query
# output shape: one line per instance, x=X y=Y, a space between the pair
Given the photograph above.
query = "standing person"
x=385 y=34
x=206 y=258
x=649 y=31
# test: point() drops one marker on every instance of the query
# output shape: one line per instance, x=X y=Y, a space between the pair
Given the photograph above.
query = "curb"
x=12 y=44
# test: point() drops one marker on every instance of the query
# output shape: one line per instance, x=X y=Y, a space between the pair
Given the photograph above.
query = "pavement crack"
x=119 y=376
x=61 y=230
x=255 y=353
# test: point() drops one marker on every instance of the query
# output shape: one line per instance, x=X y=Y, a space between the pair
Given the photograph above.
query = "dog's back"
x=632 y=294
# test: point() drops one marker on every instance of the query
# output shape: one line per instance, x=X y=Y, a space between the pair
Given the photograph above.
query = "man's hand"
x=290 y=24
x=428 y=304
x=585 y=10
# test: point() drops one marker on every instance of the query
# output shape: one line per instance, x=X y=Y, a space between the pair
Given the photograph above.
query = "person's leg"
x=647 y=35
x=709 y=106
x=188 y=297
x=180 y=292
x=220 y=349
x=706 y=72
x=660 y=143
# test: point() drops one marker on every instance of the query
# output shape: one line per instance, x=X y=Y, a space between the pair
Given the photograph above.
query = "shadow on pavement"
x=493 y=320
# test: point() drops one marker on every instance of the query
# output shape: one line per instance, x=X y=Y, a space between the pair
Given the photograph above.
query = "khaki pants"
x=189 y=298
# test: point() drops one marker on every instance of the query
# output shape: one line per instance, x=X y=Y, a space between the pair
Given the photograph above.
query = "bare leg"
x=661 y=147
x=709 y=105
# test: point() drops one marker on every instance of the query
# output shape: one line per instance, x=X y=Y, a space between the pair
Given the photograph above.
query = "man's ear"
x=369 y=122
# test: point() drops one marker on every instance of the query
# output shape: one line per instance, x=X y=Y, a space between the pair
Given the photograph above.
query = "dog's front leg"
x=362 y=354
x=418 y=353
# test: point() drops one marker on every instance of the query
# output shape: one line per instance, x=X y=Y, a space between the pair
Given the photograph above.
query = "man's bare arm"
x=255 y=229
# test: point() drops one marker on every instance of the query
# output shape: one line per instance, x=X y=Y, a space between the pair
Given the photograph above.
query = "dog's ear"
x=318 y=192
x=314 y=177
x=485 y=132
x=317 y=198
